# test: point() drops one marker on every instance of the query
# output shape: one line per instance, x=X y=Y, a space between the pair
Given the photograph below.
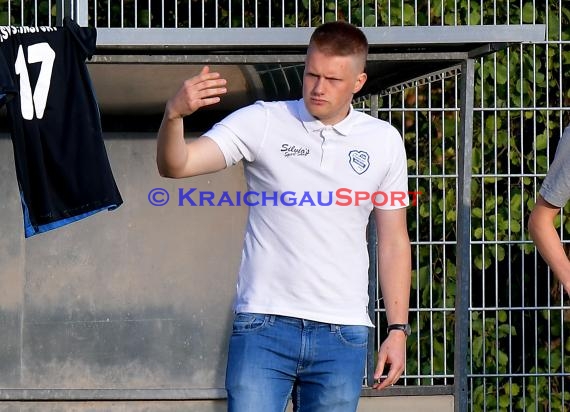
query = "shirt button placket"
x=326 y=155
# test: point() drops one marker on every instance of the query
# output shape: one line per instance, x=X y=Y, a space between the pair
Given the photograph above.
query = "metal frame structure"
x=421 y=52
x=418 y=51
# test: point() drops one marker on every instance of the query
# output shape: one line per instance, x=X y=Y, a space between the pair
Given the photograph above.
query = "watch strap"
x=404 y=327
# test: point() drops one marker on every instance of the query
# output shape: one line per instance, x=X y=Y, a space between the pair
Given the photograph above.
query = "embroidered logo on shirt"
x=359 y=161
x=292 y=150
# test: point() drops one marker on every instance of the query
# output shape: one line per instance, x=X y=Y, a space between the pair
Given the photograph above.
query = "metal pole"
x=81 y=13
x=59 y=12
x=372 y=275
x=77 y=10
x=463 y=256
x=63 y=8
x=372 y=288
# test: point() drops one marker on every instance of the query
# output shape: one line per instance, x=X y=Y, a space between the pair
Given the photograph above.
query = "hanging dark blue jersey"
x=61 y=163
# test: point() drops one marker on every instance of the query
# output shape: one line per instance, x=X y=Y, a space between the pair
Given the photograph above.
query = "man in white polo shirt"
x=301 y=323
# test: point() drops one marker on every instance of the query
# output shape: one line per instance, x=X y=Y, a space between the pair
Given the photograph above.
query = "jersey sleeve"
x=86 y=37
x=396 y=178
x=240 y=135
x=556 y=186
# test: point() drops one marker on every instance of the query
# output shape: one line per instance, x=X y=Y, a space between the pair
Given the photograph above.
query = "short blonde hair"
x=340 y=38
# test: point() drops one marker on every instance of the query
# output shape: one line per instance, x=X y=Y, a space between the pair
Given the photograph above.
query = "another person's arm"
x=394 y=265
x=547 y=241
x=176 y=158
x=554 y=194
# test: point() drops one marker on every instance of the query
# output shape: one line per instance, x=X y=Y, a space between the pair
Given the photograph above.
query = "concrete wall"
x=388 y=404
x=135 y=298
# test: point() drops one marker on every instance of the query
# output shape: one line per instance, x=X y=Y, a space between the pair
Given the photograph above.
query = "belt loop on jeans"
x=271 y=319
x=334 y=327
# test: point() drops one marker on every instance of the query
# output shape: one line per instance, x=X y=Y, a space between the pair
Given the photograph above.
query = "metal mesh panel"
x=427 y=117
x=27 y=13
x=518 y=324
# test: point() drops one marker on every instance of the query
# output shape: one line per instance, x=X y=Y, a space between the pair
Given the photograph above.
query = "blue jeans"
x=271 y=358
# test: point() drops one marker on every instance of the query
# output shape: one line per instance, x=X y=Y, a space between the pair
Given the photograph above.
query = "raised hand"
x=201 y=90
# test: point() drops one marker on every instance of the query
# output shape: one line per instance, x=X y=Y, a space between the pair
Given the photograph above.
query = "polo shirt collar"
x=314 y=125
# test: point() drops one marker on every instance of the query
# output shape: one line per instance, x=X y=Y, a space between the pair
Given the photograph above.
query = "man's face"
x=329 y=83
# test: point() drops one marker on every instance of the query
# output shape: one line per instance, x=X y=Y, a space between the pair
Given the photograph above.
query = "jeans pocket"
x=249 y=322
x=353 y=335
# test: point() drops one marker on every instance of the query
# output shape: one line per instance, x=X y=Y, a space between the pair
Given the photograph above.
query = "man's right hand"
x=176 y=158
x=201 y=90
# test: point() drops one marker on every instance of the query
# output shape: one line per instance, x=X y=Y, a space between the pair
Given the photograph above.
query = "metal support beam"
x=129 y=394
x=478 y=40
x=372 y=288
x=59 y=12
x=372 y=275
x=81 y=12
x=463 y=254
x=63 y=8
x=76 y=9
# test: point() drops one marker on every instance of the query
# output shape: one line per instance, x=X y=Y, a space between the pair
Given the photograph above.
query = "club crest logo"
x=359 y=161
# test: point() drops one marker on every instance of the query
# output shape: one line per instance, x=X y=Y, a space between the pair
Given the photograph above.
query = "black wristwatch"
x=404 y=327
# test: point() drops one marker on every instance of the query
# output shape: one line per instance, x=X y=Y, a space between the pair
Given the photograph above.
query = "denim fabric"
x=272 y=358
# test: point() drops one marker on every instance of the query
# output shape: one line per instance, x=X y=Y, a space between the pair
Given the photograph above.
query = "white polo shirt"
x=305 y=251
